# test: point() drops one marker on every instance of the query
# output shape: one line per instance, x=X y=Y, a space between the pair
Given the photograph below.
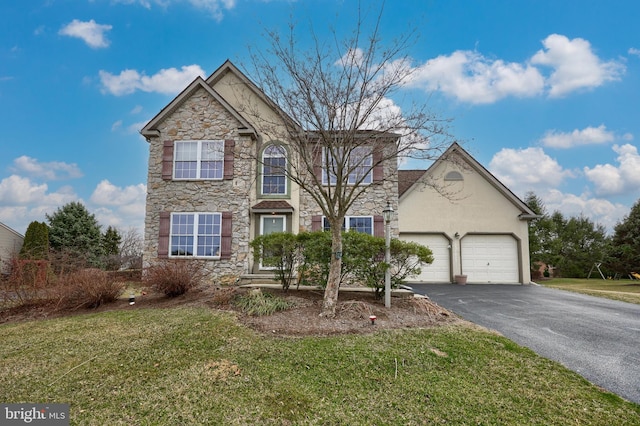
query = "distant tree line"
x=569 y=247
x=74 y=236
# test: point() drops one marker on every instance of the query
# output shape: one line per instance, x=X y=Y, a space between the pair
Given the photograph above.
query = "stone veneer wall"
x=371 y=203
x=201 y=117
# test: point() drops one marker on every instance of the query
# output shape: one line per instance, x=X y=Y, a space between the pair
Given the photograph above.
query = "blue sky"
x=545 y=94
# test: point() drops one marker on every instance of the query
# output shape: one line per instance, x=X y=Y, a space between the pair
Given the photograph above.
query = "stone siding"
x=202 y=117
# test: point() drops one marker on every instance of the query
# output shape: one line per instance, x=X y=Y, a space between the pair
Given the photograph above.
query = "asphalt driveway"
x=595 y=337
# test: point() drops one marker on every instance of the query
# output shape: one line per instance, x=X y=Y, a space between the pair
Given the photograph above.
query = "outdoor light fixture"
x=387 y=214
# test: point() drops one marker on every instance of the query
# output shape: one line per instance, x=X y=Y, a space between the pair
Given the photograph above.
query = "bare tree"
x=131 y=248
x=333 y=107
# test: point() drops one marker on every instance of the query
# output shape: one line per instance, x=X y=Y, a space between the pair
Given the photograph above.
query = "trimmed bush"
x=174 y=277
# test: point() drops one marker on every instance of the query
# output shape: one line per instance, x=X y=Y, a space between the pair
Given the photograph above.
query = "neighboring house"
x=10 y=244
x=214 y=184
x=473 y=224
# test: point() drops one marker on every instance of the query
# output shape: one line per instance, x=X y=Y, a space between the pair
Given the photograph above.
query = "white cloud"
x=92 y=33
x=136 y=110
x=612 y=180
x=54 y=170
x=117 y=125
x=166 y=81
x=23 y=201
x=119 y=207
x=587 y=136
x=634 y=51
x=522 y=170
x=575 y=65
x=20 y=190
x=214 y=7
x=107 y=194
x=470 y=77
x=600 y=211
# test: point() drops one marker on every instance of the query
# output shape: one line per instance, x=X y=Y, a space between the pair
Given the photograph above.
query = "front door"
x=270 y=224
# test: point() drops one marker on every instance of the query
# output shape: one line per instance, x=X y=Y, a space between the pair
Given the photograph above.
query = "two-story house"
x=216 y=181
x=216 y=177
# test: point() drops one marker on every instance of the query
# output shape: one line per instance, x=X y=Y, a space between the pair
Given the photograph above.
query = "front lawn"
x=194 y=365
x=623 y=290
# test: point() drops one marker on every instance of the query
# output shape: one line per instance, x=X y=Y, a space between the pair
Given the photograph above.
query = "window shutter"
x=317 y=162
x=378 y=226
x=229 y=147
x=163 y=235
x=316 y=223
x=378 y=168
x=167 y=160
x=225 y=235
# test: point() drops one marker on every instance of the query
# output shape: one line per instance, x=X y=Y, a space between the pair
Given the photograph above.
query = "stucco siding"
x=458 y=208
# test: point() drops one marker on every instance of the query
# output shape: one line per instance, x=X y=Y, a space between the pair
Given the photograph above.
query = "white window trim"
x=367 y=180
x=346 y=222
x=199 y=158
x=195 y=235
x=262 y=175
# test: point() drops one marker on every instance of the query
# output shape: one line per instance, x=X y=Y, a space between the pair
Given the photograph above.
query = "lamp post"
x=387 y=214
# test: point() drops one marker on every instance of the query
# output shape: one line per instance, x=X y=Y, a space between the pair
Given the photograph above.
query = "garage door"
x=439 y=270
x=490 y=259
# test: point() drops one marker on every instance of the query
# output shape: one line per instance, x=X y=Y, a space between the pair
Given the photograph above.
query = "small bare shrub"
x=26 y=283
x=174 y=278
x=87 y=288
x=223 y=296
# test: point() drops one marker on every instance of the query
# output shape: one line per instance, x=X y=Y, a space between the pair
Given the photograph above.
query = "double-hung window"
x=358 y=166
x=195 y=234
x=198 y=159
x=362 y=224
x=274 y=163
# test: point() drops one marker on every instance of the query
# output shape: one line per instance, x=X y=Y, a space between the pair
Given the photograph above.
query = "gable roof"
x=411 y=178
x=406 y=179
x=229 y=67
x=150 y=129
x=17 y=234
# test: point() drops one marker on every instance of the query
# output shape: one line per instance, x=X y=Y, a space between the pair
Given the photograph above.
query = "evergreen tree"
x=111 y=247
x=625 y=254
x=36 y=242
x=577 y=245
x=72 y=229
x=111 y=242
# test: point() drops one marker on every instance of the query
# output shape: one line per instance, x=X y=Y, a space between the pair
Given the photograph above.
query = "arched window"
x=274 y=166
x=453 y=176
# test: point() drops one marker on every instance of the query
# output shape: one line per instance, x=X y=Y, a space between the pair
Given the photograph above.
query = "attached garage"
x=490 y=259
x=440 y=270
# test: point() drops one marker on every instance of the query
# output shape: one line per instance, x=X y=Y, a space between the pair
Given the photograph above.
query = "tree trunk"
x=335 y=270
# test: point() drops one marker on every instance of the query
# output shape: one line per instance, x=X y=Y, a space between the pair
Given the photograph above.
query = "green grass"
x=198 y=366
x=623 y=290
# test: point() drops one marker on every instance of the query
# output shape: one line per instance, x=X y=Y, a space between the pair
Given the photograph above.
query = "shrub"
x=223 y=296
x=257 y=303
x=87 y=288
x=26 y=284
x=174 y=277
x=281 y=251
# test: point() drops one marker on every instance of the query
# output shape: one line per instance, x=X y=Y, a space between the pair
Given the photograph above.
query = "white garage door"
x=439 y=270
x=490 y=259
